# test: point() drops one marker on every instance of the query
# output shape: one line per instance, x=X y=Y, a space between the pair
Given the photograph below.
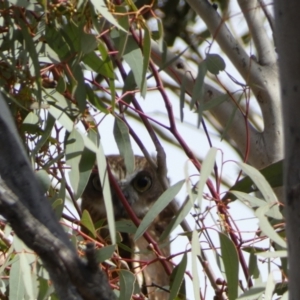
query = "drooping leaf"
x=134 y=57
x=177 y=278
x=102 y=170
x=61 y=117
x=122 y=138
x=74 y=147
x=206 y=169
x=31 y=49
x=231 y=265
x=157 y=207
x=16 y=283
x=195 y=253
x=264 y=187
x=272 y=173
x=269 y=287
x=146 y=53
x=103 y=10
x=79 y=89
x=46 y=133
x=198 y=91
x=182 y=97
x=267 y=228
x=127 y=282
x=182 y=213
x=28 y=276
x=87 y=222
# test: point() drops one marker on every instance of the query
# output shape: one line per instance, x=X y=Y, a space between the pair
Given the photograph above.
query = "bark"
x=288 y=45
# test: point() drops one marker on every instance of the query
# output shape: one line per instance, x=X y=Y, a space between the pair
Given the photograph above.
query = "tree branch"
x=255 y=21
x=24 y=206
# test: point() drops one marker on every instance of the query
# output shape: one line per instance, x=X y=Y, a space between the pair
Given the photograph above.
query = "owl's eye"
x=142 y=182
x=96 y=183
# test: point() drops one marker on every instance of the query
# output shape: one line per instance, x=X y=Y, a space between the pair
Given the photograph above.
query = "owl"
x=141 y=189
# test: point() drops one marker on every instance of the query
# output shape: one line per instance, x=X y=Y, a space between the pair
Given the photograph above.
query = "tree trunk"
x=288 y=45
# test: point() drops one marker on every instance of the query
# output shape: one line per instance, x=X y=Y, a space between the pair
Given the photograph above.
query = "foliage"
x=66 y=66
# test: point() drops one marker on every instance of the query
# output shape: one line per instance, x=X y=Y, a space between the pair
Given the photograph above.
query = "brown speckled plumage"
x=141 y=202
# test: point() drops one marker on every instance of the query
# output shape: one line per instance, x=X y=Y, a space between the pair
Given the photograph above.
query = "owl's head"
x=141 y=189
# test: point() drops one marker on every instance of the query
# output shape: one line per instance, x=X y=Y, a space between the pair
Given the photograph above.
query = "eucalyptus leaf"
x=127 y=282
x=121 y=134
x=157 y=207
x=231 y=264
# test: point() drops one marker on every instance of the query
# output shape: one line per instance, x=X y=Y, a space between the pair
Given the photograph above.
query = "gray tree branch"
x=24 y=206
x=254 y=18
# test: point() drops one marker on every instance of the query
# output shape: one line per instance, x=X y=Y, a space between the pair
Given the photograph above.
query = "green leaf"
x=28 y=276
x=198 y=91
x=87 y=222
x=88 y=42
x=177 y=278
x=231 y=264
x=157 y=207
x=56 y=41
x=30 y=123
x=46 y=134
x=16 y=283
x=215 y=63
x=61 y=117
x=99 y=66
x=58 y=207
x=126 y=226
x=146 y=53
x=267 y=228
x=31 y=49
x=127 y=282
x=121 y=134
x=105 y=253
x=264 y=187
x=184 y=210
x=252 y=294
x=44 y=180
x=103 y=10
x=273 y=174
x=74 y=147
x=102 y=170
x=134 y=57
x=253 y=267
x=182 y=97
x=270 y=286
x=274 y=254
x=195 y=253
x=206 y=170
x=79 y=89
